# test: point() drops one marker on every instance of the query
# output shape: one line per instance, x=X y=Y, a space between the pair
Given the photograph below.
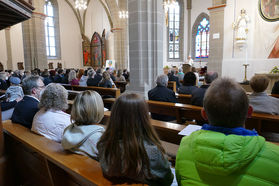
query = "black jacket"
x=198 y=95
x=162 y=93
x=275 y=89
x=25 y=111
x=94 y=81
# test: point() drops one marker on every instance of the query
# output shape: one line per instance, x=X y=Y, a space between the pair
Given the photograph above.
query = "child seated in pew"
x=130 y=150
x=51 y=120
x=82 y=135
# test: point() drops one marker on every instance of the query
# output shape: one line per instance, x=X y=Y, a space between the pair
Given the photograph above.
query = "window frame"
x=180 y=35
x=194 y=34
x=56 y=29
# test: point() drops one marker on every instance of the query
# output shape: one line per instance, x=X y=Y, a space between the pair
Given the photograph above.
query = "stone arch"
x=194 y=31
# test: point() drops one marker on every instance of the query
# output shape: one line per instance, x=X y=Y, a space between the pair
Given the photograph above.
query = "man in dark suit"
x=162 y=93
x=198 y=94
x=94 y=81
x=172 y=77
x=26 y=109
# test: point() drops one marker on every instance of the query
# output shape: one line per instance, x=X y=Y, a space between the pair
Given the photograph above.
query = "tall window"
x=202 y=39
x=51 y=47
x=174 y=32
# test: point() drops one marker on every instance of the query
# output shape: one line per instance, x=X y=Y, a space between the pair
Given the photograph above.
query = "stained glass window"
x=50 y=29
x=202 y=39
x=173 y=31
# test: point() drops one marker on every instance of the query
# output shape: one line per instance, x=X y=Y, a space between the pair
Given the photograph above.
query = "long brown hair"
x=122 y=144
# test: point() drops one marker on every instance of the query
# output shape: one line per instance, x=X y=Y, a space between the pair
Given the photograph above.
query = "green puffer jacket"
x=213 y=158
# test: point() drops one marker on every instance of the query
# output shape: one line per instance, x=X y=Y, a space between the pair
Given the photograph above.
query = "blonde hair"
x=88 y=108
x=72 y=75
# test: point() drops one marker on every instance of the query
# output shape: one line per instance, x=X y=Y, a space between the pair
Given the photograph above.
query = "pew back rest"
x=83 y=168
x=184 y=98
x=115 y=92
x=172 y=85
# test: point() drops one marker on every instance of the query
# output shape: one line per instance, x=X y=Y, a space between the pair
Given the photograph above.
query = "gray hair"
x=29 y=83
x=91 y=73
x=54 y=97
x=162 y=80
x=210 y=77
x=72 y=75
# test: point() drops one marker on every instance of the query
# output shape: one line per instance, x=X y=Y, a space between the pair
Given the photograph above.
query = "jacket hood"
x=220 y=154
x=74 y=135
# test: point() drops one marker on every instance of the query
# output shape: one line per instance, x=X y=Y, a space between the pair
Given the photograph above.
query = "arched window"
x=202 y=40
x=175 y=32
x=200 y=46
x=52 y=30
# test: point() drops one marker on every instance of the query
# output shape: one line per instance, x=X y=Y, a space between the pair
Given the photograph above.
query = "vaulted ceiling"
x=13 y=12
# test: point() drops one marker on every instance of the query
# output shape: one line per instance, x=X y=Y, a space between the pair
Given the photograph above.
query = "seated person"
x=275 y=88
x=51 y=121
x=45 y=75
x=83 y=134
x=73 y=78
x=223 y=152
x=106 y=81
x=172 y=77
x=7 y=109
x=198 y=94
x=162 y=93
x=130 y=150
x=59 y=76
x=83 y=79
x=189 y=84
x=91 y=81
x=26 y=109
x=3 y=81
x=119 y=76
x=259 y=100
x=15 y=91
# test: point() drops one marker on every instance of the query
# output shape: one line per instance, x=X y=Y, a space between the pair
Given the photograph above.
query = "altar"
x=273 y=78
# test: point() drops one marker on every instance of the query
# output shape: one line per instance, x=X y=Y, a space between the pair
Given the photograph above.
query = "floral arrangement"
x=275 y=70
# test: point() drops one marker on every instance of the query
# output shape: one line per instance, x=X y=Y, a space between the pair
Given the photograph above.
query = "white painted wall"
x=233 y=57
x=3 y=49
x=17 y=45
x=199 y=6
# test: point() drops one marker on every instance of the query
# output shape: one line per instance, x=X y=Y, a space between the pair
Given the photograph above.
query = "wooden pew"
x=172 y=85
x=115 y=92
x=37 y=160
x=184 y=98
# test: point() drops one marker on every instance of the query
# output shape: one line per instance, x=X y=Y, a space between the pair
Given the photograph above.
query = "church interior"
x=148 y=41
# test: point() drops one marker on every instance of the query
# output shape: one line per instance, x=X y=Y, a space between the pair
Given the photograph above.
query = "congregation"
x=127 y=146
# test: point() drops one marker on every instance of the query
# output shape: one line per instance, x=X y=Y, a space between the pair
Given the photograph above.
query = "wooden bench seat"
x=115 y=92
x=37 y=160
x=172 y=85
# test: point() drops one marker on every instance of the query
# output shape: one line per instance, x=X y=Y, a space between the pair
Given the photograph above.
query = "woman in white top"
x=51 y=121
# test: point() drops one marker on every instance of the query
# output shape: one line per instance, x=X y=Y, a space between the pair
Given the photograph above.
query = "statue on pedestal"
x=241 y=28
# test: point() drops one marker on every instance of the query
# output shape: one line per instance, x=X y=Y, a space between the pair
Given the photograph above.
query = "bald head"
x=226 y=103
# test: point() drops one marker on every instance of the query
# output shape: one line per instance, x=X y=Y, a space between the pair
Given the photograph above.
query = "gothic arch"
x=194 y=32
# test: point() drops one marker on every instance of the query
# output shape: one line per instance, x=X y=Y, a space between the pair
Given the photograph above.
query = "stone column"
x=33 y=32
x=189 y=28
x=145 y=43
x=216 y=41
x=9 y=49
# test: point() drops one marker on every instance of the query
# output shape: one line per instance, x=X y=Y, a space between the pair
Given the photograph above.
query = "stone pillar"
x=189 y=28
x=9 y=49
x=216 y=41
x=145 y=43
x=33 y=32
